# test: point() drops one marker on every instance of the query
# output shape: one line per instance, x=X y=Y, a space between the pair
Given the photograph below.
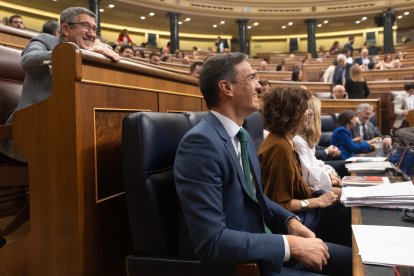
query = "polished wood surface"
x=410 y=118
x=79 y=222
x=16 y=38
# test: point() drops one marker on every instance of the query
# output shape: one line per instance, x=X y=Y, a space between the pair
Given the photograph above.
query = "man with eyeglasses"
x=225 y=216
x=77 y=25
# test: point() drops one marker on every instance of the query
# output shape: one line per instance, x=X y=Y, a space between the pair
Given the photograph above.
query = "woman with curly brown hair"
x=286 y=113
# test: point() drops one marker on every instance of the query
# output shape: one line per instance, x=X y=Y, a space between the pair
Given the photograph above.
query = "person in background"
x=179 y=54
x=349 y=45
x=196 y=53
x=224 y=215
x=339 y=92
x=16 y=21
x=342 y=136
x=388 y=62
x=363 y=60
x=335 y=48
x=5 y=21
x=195 y=69
x=364 y=128
x=123 y=38
x=341 y=73
x=126 y=51
x=263 y=65
x=186 y=60
x=264 y=83
x=403 y=103
x=51 y=27
x=154 y=58
x=286 y=112
x=166 y=58
x=297 y=74
x=78 y=26
x=356 y=86
x=317 y=174
x=328 y=74
x=116 y=48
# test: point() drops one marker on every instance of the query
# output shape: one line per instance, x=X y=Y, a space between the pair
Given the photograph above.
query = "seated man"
x=404 y=103
x=364 y=129
x=154 y=58
x=195 y=69
x=16 y=21
x=225 y=216
x=77 y=25
x=339 y=92
x=126 y=51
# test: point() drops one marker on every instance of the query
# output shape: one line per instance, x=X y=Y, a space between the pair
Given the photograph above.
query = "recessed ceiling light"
x=222 y=22
x=406 y=13
x=55 y=0
x=215 y=26
x=187 y=19
x=319 y=25
x=290 y=23
x=400 y=17
x=364 y=18
x=180 y=22
x=111 y=6
x=283 y=27
x=357 y=22
x=151 y=14
x=249 y=27
x=101 y=10
x=255 y=23
x=326 y=22
x=142 y=17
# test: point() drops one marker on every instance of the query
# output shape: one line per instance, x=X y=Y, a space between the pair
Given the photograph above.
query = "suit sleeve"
x=344 y=139
x=35 y=55
x=398 y=104
x=198 y=173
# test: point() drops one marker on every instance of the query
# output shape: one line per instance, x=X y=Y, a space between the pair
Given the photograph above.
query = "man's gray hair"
x=341 y=57
x=363 y=107
x=68 y=15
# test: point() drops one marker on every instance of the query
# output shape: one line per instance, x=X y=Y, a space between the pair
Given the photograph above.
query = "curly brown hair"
x=284 y=109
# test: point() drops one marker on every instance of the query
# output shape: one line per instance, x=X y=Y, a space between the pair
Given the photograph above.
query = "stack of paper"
x=385 y=245
x=396 y=195
x=361 y=181
x=365 y=159
x=369 y=166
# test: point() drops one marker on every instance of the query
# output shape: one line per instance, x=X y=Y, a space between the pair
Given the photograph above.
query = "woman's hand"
x=335 y=180
x=357 y=139
x=327 y=199
x=333 y=151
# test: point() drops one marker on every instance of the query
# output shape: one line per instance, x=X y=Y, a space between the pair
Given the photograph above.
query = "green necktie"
x=242 y=135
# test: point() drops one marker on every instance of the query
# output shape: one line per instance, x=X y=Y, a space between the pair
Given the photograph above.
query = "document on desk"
x=368 y=166
x=396 y=195
x=385 y=245
x=366 y=159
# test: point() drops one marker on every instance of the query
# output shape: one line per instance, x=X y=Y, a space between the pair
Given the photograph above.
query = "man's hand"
x=327 y=199
x=386 y=142
x=296 y=228
x=333 y=151
x=105 y=50
x=312 y=252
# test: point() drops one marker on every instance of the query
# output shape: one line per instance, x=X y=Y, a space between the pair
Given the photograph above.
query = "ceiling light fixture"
x=290 y=23
x=357 y=22
x=364 y=18
x=255 y=23
x=400 y=17
x=249 y=27
x=151 y=14
x=222 y=22
x=326 y=22
x=142 y=17
x=283 y=27
x=180 y=22
x=407 y=13
x=101 y=10
x=319 y=25
x=111 y=6
x=187 y=19
x=215 y=26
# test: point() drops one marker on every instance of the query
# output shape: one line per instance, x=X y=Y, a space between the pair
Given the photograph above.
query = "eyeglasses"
x=85 y=26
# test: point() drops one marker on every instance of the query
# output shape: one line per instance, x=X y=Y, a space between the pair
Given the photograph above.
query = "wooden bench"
x=13 y=37
x=79 y=223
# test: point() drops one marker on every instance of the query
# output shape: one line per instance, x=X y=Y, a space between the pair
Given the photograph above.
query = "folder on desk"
x=376 y=167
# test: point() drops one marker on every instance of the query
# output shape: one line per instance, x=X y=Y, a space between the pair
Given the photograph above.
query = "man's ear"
x=64 y=29
x=226 y=87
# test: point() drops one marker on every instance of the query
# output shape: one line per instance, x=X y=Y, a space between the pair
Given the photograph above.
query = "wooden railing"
x=78 y=218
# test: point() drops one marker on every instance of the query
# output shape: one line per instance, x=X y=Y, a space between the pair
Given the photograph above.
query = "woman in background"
x=123 y=38
x=356 y=86
x=342 y=136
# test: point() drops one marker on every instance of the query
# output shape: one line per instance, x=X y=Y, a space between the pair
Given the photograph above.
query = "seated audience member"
x=279 y=67
x=77 y=25
x=263 y=65
x=195 y=69
x=139 y=53
x=179 y=54
x=364 y=128
x=339 y=92
x=377 y=62
x=165 y=51
x=316 y=173
x=403 y=103
x=356 y=86
x=51 y=27
x=5 y=21
x=286 y=113
x=166 y=58
x=363 y=60
x=387 y=62
x=373 y=49
x=225 y=217
x=349 y=45
x=126 y=51
x=264 y=83
x=341 y=73
x=154 y=58
x=123 y=38
x=349 y=58
x=297 y=74
x=397 y=63
x=116 y=48
x=328 y=74
x=196 y=53
x=16 y=21
x=186 y=60
x=342 y=136
x=335 y=48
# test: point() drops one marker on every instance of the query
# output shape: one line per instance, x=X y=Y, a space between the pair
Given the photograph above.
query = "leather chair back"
x=11 y=81
x=328 y=124
x=254 y=124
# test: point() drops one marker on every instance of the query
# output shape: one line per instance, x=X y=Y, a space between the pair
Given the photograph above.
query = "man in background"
x=126 y=51
x=195 y=69
x=339 y=93
x=154 y=58
x=16 y=21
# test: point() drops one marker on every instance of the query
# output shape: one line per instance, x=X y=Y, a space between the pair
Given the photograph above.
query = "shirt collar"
x=229 y=125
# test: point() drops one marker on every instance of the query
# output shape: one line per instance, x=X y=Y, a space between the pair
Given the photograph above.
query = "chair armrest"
x=137 y=265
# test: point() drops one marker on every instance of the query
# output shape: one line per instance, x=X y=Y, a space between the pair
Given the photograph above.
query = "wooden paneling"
x=16 y=38
x=79 y=222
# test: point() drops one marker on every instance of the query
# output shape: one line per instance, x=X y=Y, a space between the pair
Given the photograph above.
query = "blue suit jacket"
x=342 y=138
x=337 y=77
x=219 y=222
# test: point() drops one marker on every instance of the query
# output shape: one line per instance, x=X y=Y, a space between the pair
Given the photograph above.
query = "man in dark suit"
x=78 y=26
x=341 y=73
x=225 y=216
x=364 y=129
